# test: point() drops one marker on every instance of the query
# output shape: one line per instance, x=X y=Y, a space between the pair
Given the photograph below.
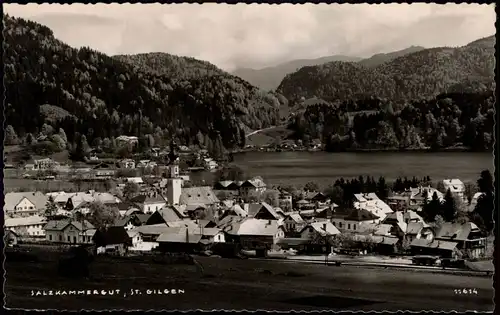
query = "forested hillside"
x=379 y=59
x=420 y=75
x=458 y=119
x=50 y=85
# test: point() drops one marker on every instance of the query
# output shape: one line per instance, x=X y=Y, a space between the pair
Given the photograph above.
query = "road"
x=257 y=131
x=250 y=285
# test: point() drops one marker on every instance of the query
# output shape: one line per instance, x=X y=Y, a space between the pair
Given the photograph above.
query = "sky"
x=256 y=35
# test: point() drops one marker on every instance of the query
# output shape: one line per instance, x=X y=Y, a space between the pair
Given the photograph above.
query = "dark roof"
x=198 y=196
x=360 y=215
x=169 y=214
x=455 y=231
x=62 y=224
x=143 y=217
x=112 y=235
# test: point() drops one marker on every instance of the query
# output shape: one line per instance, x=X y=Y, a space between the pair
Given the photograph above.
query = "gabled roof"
x=237 y=210
x=155 y=229
x=113 y=235
x=12 y=199
x=62 y=224
x=198 y=196
x=436 y=244
x=360 y=215
x=256 y=182
x=266 y=207
x=252 y=208
x=251 y=226
x=382 y=229
x=143 y=199
x=143 y=217
x=169 y=214
x=179 y=238
x=413 y=228
x=295 y=217
x=323 y=228
x=183 y=224
x=24 y=221
x=456 y=231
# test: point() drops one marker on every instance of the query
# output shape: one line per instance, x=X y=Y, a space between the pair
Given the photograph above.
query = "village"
x=162 y=211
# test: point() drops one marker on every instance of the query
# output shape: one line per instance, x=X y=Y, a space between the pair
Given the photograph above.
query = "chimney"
x=269 y=222
x=324 y=226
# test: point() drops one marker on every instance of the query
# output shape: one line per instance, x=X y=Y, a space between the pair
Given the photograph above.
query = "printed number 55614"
x=466 y=291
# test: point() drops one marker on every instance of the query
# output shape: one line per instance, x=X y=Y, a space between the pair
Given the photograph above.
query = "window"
x=69 y=238
x=333 y=222
x=60 y=238
x=340 y=224
x=50 y=237
x=354 y=227
x=348 y=226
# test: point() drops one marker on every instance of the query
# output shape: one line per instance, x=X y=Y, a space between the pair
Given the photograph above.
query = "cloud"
x=260 y=35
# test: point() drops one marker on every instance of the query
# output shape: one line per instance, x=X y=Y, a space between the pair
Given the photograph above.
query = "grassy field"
x=241 y=284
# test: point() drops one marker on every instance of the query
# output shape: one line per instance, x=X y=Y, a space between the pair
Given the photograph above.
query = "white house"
x=44 y=164
x=356 y=220
x=69 y=231
x=373 y=204
x=252 y=186
x=210 y=164
x=144 y=237
x=150 y=204
x=456 y=186
x=318 y=229
x=26 y=226
x=293 y=222
x=21 y=204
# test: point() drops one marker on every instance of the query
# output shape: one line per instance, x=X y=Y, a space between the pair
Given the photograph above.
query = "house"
x=127 y=208
x=21 y=204
x=164 y=215
x=132 y=221
x=114 y=239
x=293 y=222
x=456 y=186
x=73 y=201
x=146 y=164
x=179 y=240
x=223 y=185
x=266 y=212
x=155 y=151
x=135 y=180
x=254 y=233
x=145 y=239
x=31 y=226
x=44 y=164
x=418 y=230
x=127 y=140
x=317 y=198
x=357 y=220
x=209 y=164
x=127 y=164
x=235 y=210
x=318 y=229
x=254 y=186
x=69 y=231
x=401 y=220
x=285 y=200
x=10 y=238
x=198 y=196
x=373 y=204
x=306 y=205
x=149 y=204
x=418 y=195
x=468 y=237
x=453 y=240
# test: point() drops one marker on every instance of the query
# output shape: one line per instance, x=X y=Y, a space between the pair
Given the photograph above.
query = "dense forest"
x=454 y=119
x=51 y=87
x=420 y=75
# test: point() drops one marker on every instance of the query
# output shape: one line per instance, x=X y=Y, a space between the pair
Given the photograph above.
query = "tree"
x=130 y=190
x=485 y=207
x=101 y=215
x=11 y=136
x=63 y=136
x=59 y=142
x=271 y=197
x=311 y=186
x=449 y=207
x=336 y=194
x=431 y=209
x=47 y=130
x=50 y=207
x=382 y=188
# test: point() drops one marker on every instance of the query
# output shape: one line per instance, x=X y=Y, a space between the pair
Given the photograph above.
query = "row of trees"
x=455 y=209
x=448 y=120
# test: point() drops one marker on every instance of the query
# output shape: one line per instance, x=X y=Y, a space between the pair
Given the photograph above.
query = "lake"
x=297 y=168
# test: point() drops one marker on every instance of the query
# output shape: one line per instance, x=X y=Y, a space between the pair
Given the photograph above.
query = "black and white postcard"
x=249 y=157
